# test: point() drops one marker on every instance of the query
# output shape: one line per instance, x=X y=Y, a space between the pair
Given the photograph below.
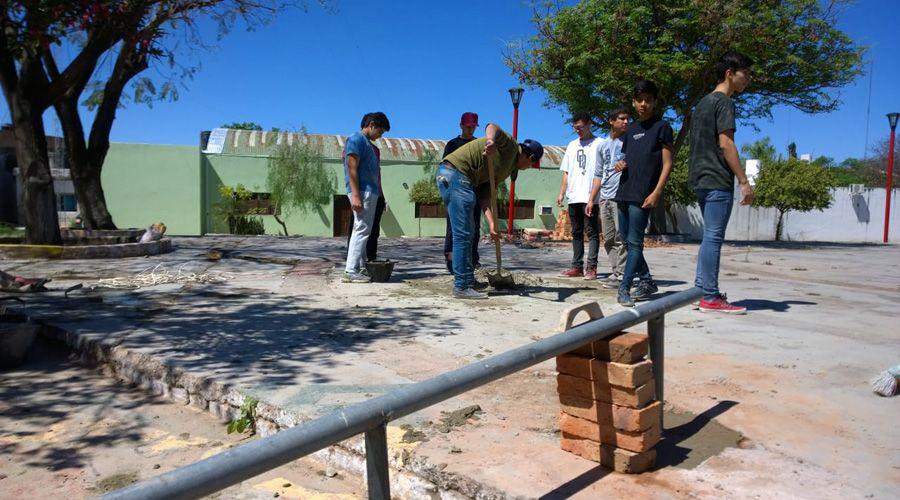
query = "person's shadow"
x=771 y=305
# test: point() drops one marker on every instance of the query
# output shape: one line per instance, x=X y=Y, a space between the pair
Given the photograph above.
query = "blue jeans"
x=715 y=205
x=632 y=225
x=459 y=198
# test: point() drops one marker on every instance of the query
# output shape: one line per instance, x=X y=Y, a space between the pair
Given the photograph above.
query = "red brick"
x=620 y=417
x=623 y=347
x=620 y=460
x=600 y=391
x=584 y=448
x=620 y=374
x=606 y=434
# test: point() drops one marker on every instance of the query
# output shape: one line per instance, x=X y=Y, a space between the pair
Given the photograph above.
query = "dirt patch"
x=457 y=418
x=116 y=481
x=411 y=435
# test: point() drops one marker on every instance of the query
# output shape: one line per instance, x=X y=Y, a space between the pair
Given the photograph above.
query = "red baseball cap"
x=469 y=119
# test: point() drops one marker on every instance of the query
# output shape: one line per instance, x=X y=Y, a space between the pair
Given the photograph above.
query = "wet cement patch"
x=690 y=439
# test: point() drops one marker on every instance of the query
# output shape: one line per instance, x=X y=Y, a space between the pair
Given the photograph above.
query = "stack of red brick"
x=609 y=413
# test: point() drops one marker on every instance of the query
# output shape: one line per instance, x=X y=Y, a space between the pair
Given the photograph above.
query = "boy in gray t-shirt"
x=714 y=164
x=606 y=183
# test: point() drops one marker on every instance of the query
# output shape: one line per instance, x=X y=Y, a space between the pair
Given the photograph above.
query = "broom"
x=885 y=384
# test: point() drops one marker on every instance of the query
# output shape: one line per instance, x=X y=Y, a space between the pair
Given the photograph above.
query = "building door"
x=342 y=219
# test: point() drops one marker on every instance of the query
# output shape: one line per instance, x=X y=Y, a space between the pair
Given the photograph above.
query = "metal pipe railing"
x=370 y=417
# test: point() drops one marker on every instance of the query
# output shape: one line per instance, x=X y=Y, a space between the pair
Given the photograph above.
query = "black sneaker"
x=651 y=286
x=625 y=299
x=641 y=292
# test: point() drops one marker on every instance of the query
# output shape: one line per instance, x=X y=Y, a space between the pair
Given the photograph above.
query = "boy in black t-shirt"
x=647 y=144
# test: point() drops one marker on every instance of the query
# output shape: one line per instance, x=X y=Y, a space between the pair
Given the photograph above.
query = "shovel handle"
x=490 y=165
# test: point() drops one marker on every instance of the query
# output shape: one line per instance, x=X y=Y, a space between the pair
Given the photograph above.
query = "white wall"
x=850 y=218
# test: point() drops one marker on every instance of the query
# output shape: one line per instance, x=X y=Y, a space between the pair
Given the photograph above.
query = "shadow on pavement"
x=771 y=305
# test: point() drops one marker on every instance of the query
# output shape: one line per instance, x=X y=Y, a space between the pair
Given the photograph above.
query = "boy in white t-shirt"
x=578 y=175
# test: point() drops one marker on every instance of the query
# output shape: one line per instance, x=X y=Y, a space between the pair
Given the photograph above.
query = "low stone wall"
x=110 y=251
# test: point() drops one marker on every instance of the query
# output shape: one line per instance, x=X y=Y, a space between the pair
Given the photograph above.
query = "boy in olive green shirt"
x=463 y=180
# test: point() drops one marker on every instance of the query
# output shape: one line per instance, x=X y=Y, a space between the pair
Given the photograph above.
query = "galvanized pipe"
x=378 y=473
x=251 y=459
x=656 y=330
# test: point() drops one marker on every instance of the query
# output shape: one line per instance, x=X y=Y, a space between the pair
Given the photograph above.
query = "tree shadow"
x=241 y=335
x=42 y=397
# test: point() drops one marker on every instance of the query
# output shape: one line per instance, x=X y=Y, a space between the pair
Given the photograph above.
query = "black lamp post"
x=515 y=94
x=892 y=121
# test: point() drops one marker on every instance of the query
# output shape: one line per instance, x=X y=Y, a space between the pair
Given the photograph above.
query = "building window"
x=524 y=209
x=66 y=203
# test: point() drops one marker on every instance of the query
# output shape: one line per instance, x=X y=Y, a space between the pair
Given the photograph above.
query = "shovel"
x=500 y=278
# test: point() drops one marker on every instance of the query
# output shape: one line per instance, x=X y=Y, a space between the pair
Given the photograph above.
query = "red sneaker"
x=590 y=274
x=720 y=304
x=573 y=273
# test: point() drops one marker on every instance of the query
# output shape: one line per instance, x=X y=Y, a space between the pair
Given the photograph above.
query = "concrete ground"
x=773 y=403
x=68 y=432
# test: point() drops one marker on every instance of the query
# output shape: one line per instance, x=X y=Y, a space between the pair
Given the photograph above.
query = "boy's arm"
x=353 y=175
x=562 y=189
x=595 y=190
x=726 y=142
x=654 y=197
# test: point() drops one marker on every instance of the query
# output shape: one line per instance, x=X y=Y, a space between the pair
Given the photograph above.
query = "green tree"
x=587 y=56
x=792 y=184
x=50 y=54
x=243 y=126
x=761 y=150
x=298 y=178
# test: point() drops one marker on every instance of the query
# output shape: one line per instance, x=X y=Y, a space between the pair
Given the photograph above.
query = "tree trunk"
x=283 y=225
x=38 y=197
x=779 y=227
x=85 y=168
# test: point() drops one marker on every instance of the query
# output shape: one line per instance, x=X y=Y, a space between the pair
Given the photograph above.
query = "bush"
x=425 y=191
x=792 y=184
x=233 y=210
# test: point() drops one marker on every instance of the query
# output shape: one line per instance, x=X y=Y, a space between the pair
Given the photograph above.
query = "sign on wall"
x=216 y=142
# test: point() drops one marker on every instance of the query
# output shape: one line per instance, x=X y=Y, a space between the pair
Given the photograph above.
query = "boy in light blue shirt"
x=362 y=172
x=606 y=183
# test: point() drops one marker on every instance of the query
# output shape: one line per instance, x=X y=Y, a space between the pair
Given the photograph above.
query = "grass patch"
x=7 y=230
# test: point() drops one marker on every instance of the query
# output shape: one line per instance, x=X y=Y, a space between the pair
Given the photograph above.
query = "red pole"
x=890 y=182
x=512 y=183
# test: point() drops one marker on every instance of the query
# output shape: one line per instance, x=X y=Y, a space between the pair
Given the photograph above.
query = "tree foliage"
x=297 y=177
x=243 y=126
x=792 y=184
x=588 y=56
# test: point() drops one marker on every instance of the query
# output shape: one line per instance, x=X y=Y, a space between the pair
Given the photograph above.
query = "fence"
x=371 y=417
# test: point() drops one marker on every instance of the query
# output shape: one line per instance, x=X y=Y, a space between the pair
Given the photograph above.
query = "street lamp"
x=515 y=94
x=892 y=120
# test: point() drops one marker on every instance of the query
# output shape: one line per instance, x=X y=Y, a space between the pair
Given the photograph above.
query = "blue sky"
x=423 y=63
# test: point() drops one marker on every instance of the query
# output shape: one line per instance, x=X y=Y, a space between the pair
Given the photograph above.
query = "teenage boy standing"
x=361 y=180
x=647 y=144
x=578 y=165
x=468 y=123
x=463 y=180
x=605 y=184
x=714 y=164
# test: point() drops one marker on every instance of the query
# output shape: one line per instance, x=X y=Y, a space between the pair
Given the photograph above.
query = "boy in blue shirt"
x=361 y=173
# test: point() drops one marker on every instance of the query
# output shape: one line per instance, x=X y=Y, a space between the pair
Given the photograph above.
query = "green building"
x=179 y=185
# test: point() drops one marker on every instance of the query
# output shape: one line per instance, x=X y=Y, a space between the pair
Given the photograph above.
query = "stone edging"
x=410 y=477
x=115 y=251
